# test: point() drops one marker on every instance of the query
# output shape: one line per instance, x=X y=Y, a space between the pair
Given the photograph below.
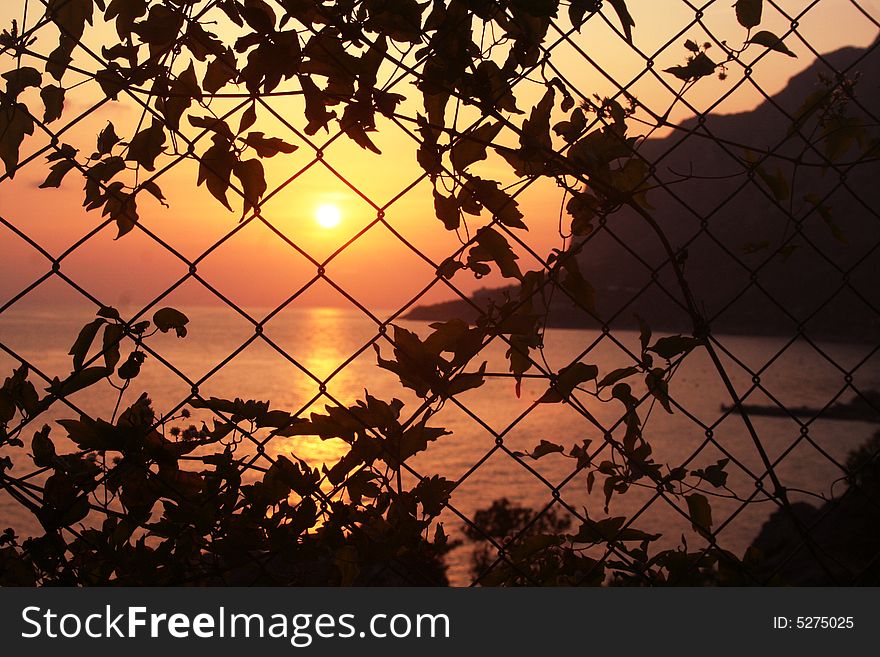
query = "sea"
x=492 y=429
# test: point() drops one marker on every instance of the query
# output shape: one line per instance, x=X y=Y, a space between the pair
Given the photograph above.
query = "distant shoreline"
x=561 y=317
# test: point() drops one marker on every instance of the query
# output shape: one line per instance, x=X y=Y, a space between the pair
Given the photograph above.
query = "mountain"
x=729 y=228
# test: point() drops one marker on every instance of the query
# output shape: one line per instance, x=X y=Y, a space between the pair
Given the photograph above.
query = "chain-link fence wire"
x=665 y=277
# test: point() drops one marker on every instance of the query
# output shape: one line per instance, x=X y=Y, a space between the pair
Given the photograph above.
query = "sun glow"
x=328 y=216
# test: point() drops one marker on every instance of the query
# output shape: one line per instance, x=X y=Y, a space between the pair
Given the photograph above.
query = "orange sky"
x=256 y=268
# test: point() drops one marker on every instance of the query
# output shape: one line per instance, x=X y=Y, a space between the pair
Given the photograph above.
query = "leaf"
x=765 y=38
x=108 y=312
x=714 y=474
x=155 y=190
x=53 y=102
x=316 y=107
x=534 y=138
x=166 y=319
x=447 y=210
x=617 y=375
x=77 y=381
x=248 y=118
x=213 y=124
x=15 y=123
x=112 y=336
x=83 y=342
x=840 y=134
x=220 y=72
x=626 y=20
x=471 y=145
x=19 y=79
x=362 y=484
x=567 y=380
x=577 y=9
x=181 y=91
x=268 y=146
x=253 y=182
x=60 y=58
x=699 y=67
x=147 y=145
x=543 y=449
x=107 y=139
x=215 y=169
x=609 y=530
x=659 y=387
x=448 y=267
x=126 y=12
x=527 y=547
x=582 y=208
x=122 y=208
x=493 y=247
x=700 y=513
x=259 y=15
x=160 y=29
x=132 y=365
x=466 y=381
x=111 y=80
x=748 y=12
x=57 y=172
x=434 y=493
x=573 y=128
x=503 y=207
x=70 y=15
x=644 y=333
x=357 y=121
x=672 y=346
x=777 y=182
x=42 y=448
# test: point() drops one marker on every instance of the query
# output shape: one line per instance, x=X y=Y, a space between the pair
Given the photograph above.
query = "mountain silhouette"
x=756 y=264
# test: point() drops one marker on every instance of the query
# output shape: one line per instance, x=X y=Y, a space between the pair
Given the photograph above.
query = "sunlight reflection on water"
x=319 y=341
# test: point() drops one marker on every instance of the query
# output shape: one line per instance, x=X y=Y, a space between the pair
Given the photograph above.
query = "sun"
x=328 y=216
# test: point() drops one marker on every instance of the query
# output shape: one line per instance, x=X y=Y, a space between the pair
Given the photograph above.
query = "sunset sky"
x=318 y=211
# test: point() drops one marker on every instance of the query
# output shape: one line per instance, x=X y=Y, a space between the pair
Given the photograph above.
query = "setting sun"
x=328 y=216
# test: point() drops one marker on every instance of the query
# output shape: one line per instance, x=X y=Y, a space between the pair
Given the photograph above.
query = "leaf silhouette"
x=626 y=20
x=699 y=67
x=765 y=38
x=166 y=319
x=253 y=182
x=493 y=247
x=542 y=449
x=147 y=145
x=503 y=207
x=568 y=379
x=53 y=102
x=617 y=375
x=63 y=161
x=107 y=139
x=215 y=169
x=471 y=147
x=748 y=12
x=15 y=123
x=19 y=79
x=700 y=512
x=268 y=146
x=126 y=12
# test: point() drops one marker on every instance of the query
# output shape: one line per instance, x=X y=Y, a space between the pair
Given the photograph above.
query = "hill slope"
x=729 y=226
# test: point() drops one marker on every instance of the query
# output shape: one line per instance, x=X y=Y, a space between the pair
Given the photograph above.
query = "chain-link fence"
x=690 y=326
